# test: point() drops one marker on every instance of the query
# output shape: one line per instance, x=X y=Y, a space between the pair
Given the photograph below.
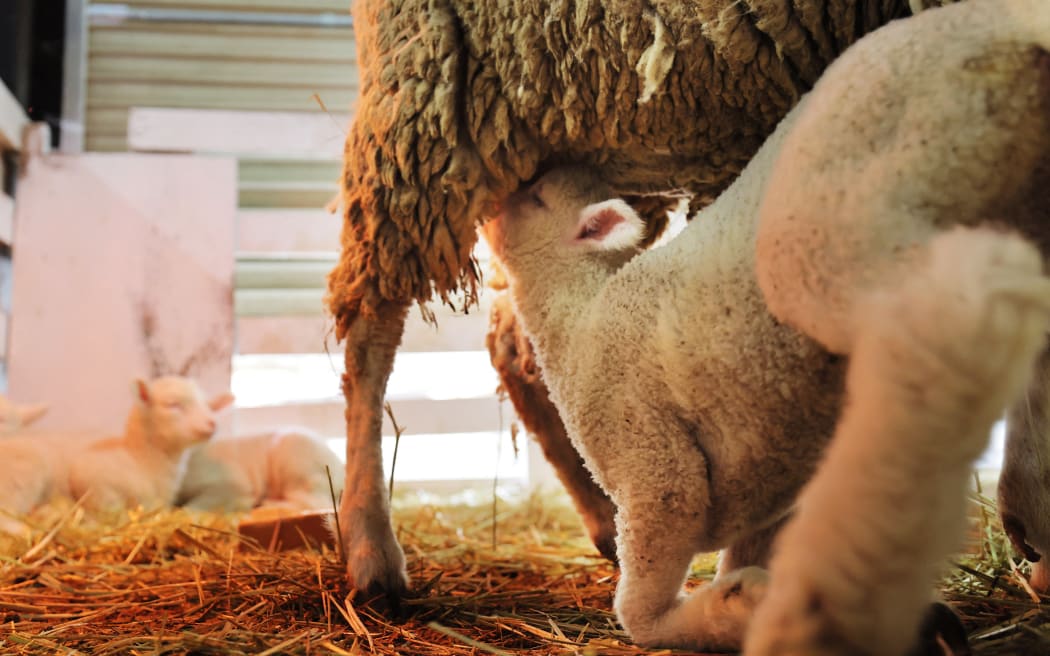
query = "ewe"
x=461 y=101
x=899 y=216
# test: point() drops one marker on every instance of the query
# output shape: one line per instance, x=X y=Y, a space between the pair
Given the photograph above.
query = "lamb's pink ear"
x=610 y=225
x=220 y=401
x=142 y=390
x=30 y=413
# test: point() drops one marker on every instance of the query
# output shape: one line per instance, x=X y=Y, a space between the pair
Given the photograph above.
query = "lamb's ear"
x=220 y=401
x=142 y=390
x=30 y=413
x=609 y=225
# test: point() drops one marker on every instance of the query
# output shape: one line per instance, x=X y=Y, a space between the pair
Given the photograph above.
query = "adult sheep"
x=461 y=101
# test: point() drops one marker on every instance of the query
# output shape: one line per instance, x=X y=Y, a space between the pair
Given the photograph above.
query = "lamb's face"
x=565 y=214
x=176 y=413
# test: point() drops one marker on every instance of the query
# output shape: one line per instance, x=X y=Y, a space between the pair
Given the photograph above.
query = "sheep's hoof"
x=375 y=563
x=941 y=633
x=1015 y=530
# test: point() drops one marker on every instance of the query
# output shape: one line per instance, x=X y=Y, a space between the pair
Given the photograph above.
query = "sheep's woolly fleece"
x=461 y=101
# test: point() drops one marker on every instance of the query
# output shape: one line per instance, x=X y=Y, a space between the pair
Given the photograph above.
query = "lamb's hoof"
x=941 y=634
x=1015 y=530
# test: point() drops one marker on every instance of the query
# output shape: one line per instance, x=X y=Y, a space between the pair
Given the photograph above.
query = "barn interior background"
x=213 y=128
x=169 y=170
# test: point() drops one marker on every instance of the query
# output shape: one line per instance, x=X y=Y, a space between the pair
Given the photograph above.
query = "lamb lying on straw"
x=142 y=467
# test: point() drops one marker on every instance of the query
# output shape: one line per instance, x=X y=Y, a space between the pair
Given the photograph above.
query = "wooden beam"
x=272 y=43
x=287 y=231
x=415 y=416
x=170 y=70
x=251 y=98
x=286 y=194
x=13 y=120
x=283 y=272
x=302 y=134
x=311 y=332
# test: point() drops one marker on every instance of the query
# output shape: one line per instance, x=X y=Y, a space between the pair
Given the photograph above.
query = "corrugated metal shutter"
x=210 y=64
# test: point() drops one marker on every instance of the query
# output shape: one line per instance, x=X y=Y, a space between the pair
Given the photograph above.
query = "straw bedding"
x=517 y=577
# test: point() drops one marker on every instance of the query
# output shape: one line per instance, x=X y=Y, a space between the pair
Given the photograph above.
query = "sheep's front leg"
x=751 y=550
x=511 y=355
x=1024 y=482
x=375 y=560
x=654 y=554
x=933 y=363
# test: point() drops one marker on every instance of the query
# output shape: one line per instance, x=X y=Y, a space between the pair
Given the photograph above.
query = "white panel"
x=414 y=416
x=124 y=268
x=281 y=231
x=12 y=120
x=310 y=331
x=256 y=133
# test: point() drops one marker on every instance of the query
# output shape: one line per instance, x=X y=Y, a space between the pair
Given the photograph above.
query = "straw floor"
x=520 y=580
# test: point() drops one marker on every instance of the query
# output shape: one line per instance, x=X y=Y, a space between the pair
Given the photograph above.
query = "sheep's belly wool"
x=462 y=101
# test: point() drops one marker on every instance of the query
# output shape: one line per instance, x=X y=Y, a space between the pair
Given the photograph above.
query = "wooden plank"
x=13 y=120
x=207 y=70
x=311 y=332
x=105 y=143
x=227 y=42
x=278 y=302
x=299 y=6
x=283 y=272
x=258 y=133
x=255 y=169
x=109 y=95
x=415 y=416
x=7 y=218
x=286 y=194
x=284 y=231
x=107 y=121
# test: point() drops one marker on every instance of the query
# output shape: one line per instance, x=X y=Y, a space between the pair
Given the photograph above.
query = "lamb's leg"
x=511 y=355
x=751 y=550
x=933 y=363
x=375 y=560
x=654 y=558
x=1024 y=482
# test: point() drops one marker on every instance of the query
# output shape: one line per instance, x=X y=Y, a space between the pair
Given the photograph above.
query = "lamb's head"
x=171 y=413
x=568 y=215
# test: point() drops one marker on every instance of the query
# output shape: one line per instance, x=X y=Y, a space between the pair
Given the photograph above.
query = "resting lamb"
x=283 y=469
x=141 y=467
x=865 y=226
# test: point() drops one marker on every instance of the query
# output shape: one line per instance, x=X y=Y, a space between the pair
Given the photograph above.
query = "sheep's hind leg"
x=511 y=355
x=1024 y=482
x=933 y=363
x=374 y=559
